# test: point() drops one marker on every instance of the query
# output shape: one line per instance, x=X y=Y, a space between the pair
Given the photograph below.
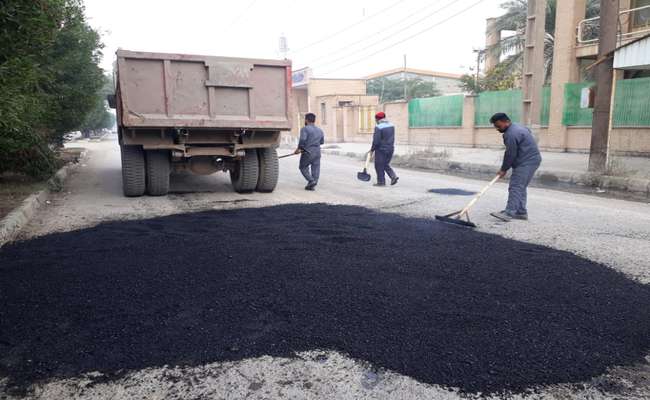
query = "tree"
x=391 y=89
x=99 y=117
x=49 y=76
x=514 y=19
x=498 y=78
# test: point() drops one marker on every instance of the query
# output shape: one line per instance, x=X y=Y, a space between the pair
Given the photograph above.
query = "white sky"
x=252 y=28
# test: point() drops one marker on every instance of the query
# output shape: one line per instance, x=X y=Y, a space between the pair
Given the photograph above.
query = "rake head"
x=456 y=219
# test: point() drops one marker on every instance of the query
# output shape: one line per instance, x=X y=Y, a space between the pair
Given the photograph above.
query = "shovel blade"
x=363 y=176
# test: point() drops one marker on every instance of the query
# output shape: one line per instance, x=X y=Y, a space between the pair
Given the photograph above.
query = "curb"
x=545 y=177
x=13 y=222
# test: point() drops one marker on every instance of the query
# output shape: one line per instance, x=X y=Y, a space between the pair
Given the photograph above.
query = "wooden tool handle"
x=478 y=196
x=368 y=159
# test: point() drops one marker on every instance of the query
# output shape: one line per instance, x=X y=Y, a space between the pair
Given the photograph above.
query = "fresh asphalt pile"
x=441 y=304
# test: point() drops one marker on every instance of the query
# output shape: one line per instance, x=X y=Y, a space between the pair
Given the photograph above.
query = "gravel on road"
x=439 y=303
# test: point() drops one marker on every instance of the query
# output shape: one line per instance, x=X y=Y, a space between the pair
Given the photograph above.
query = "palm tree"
x=514 y=19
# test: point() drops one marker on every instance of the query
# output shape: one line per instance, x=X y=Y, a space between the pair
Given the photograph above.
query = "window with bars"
x=641 y=18
x=366 y=119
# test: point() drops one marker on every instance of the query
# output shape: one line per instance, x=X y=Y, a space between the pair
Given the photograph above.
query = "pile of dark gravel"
x=443 y=305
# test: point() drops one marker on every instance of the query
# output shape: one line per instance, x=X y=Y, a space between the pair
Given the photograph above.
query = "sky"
x=336 y=38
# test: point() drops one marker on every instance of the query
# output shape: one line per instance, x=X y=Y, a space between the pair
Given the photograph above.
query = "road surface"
x=613 y=232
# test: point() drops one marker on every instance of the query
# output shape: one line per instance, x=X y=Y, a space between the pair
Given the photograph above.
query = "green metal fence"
x=441 y=111
x=546 y=105
x=489 y=103
x=632 y=102
x=574 y=115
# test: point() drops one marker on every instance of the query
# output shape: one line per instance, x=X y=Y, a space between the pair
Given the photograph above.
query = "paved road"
x=613 y=232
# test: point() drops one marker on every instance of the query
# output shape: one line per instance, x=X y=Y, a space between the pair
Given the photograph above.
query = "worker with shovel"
x=311 y=138
x=523 y=156
x=383 y=144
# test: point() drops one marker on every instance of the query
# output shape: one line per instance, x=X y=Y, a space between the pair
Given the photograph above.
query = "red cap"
x=380 y=115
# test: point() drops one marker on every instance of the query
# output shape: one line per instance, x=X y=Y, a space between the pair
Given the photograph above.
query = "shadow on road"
x=443 y=305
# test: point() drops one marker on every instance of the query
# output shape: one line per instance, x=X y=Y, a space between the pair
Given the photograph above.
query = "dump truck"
x=201 y=114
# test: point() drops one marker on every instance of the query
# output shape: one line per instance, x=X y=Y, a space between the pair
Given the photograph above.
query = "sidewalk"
x=631 y=174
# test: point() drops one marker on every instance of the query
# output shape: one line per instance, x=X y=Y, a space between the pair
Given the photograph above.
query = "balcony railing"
x=633 y=22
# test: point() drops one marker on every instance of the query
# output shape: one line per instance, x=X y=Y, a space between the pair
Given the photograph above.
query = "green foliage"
x=49 y=76
x=99 y=117
x=501 y=77
x=391 y=89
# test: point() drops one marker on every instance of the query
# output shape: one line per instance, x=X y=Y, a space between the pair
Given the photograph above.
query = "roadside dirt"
x=14 y=189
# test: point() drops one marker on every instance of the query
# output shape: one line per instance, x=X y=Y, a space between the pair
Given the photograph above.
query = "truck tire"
x=133 y=170
x=269 y=170
x=246 y=172
x=158 y=167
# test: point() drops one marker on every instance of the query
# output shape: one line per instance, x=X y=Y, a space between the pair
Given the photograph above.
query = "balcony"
x=633 y=23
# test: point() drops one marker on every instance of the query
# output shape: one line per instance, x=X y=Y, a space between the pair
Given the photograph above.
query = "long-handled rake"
x=457 y=217
x=294 y=154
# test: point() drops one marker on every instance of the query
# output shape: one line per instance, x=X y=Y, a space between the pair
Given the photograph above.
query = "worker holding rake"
x=523 y=157
x=311 y=138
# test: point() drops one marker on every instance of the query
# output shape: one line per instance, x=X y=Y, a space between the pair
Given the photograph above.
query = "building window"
x=323 y=113
x=641 y=18
x=366 y=119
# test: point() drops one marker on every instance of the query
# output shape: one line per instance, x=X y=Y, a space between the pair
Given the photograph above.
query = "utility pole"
x=600 y=129
x=479 y=55
x=283 y=46
x=404 y=78
x=533 y=73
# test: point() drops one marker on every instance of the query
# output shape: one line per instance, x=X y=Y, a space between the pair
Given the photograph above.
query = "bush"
x=49 y=76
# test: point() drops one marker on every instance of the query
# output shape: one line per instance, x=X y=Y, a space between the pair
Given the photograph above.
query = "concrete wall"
x=628 y=141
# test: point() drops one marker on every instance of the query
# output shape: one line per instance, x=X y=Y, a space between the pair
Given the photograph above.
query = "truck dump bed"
x=157 y=90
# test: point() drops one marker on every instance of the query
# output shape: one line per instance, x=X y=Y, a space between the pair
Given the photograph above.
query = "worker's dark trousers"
x=519 y=181
x=310 y=166
x=382 y=165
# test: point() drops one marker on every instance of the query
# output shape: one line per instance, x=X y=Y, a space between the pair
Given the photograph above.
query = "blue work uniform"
x=383 y=144
x=311 y=138
x=523 y=156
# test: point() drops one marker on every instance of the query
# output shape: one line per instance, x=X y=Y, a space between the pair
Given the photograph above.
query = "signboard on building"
x=587 y=97
x=300 y=77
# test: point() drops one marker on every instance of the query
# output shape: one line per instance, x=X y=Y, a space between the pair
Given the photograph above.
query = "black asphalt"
x=441 y=304
x=452 y=191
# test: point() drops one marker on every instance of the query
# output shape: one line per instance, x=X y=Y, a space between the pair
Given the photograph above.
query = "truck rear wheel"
x=133 y=170
x=245 y=174
x=158 y=167
x=269 y=170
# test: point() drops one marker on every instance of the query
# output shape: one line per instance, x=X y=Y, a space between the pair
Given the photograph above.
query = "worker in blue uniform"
x=311 y=138
x=523 y=157
x=383 y=145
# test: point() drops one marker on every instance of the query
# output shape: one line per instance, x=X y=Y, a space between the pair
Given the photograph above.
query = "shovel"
x=364 y=175
x=457 y=216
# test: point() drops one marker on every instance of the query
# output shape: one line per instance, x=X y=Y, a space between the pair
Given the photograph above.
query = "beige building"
x=575 y=48
x=445 y=82
x=341 y=106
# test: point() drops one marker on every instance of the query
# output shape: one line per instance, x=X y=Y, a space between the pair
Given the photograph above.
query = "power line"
x=347 y=28
x=385 y=36
x=238 y=17
x=407 y=38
